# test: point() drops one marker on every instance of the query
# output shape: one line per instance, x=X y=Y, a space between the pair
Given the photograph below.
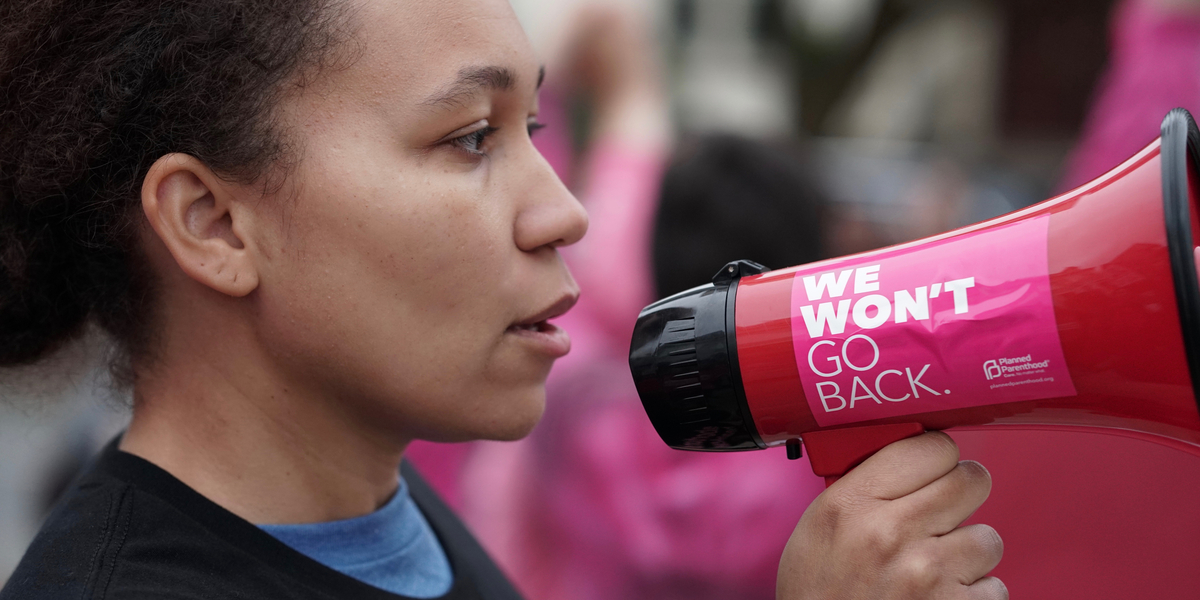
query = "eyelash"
x=471 y=142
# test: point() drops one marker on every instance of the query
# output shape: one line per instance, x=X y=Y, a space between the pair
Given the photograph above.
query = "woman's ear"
x=195 y=215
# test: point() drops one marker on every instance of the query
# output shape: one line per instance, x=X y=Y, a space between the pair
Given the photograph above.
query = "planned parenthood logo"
x=1008 y=367
x=991 y=369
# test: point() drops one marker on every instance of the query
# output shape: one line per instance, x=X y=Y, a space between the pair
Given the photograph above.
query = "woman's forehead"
x=418 y=50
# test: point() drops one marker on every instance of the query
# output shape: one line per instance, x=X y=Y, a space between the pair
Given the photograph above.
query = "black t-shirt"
x=128 y=529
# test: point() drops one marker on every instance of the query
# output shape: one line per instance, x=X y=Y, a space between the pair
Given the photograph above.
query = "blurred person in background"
x=1154 y=66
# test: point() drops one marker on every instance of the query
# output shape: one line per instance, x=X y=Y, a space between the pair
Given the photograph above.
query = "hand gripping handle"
x=834 y=452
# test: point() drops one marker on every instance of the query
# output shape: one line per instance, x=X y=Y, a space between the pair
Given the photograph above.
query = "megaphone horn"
x=1080 y=311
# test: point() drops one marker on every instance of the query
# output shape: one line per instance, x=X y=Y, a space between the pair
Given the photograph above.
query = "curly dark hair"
x=92 y=93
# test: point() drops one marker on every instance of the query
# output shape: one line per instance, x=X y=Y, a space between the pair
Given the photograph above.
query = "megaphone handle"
x=833 y=452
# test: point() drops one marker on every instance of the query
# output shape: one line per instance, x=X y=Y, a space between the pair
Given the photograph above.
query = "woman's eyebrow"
x=473 y=80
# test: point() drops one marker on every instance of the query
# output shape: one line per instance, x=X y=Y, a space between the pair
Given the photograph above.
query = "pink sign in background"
x=963 y=322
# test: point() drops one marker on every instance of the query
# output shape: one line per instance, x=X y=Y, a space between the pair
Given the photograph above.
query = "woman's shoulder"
x=68 y=556
x=109 y=538
x=128 y=529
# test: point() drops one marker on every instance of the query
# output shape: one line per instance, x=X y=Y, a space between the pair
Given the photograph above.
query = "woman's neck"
x=225 y=426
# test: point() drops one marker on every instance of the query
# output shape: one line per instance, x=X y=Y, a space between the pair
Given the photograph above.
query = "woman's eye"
x=535 y=127
x=472 y=143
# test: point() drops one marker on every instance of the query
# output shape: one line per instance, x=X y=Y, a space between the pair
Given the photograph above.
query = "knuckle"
x=827 y=514
x=885 y=536
x=832 y=506
x=843 y=504
x=918 y=571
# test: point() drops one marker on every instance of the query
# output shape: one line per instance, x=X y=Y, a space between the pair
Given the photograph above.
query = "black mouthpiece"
x=684 y=362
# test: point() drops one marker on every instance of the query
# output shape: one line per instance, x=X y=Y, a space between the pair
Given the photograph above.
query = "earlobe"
x=195 y=215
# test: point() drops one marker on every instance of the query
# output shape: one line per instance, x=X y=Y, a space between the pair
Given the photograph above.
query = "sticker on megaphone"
x=948 y=325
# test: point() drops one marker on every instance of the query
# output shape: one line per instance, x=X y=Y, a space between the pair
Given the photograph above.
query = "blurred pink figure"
x=1154 y=66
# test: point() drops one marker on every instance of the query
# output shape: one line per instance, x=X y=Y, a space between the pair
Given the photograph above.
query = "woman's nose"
x=550 y=216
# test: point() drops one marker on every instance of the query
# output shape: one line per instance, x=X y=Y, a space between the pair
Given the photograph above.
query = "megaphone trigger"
x=833 y=452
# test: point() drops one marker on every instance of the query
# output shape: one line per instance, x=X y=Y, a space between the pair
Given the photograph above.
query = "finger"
x=988 y=588
x=903 y=467
x=944 y=504
x=970 y=552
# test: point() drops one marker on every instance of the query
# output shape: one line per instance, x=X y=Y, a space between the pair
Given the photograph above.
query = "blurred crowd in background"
x=781 y=131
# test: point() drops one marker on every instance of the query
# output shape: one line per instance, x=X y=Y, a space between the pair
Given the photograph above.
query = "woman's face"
x=416 y=264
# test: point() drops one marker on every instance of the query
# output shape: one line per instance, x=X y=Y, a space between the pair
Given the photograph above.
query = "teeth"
x=527 y=327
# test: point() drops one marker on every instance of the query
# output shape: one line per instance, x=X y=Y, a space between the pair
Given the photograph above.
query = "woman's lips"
x=545 y=336
x=549 y=338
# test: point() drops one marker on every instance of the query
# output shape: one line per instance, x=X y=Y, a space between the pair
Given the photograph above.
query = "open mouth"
x=547 y=337
x=539 y=327
x=540 y=321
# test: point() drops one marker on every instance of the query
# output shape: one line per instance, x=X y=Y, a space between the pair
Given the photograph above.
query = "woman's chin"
x=514 y=421
x=516 y=425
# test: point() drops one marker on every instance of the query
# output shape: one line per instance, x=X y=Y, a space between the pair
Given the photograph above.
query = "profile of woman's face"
x=415 y=262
